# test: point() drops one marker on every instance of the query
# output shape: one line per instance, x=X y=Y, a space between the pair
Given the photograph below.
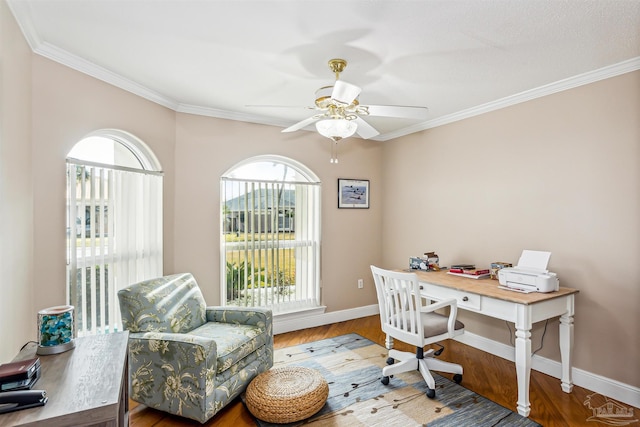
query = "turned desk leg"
x=566 y=346
x=523 y=359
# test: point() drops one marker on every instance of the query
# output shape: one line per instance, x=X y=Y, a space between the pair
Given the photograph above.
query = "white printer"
x=530 y=275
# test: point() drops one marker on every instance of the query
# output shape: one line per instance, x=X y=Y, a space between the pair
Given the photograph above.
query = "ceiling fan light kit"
x=336 y=129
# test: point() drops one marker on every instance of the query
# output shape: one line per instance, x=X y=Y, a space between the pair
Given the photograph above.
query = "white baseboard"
x=617 y=390
x=291 y=323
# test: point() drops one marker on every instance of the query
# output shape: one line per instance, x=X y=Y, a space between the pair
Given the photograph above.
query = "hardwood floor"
x=488 y=375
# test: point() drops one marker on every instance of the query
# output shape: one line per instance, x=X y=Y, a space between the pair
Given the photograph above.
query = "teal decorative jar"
x=56 y=329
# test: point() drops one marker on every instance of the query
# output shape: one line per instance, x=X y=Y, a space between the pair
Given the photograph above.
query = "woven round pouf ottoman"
x=287 y=394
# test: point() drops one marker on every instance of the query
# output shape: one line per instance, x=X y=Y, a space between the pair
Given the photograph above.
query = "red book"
x=476 y=272
x=20 y=370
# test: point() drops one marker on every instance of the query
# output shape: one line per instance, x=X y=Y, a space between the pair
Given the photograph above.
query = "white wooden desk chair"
x=404 y=317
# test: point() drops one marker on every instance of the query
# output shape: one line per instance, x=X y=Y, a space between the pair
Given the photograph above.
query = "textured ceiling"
x=456 y=57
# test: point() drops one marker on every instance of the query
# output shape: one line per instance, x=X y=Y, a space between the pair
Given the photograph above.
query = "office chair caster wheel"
x=431 y=393
x=385 y=380
x=390 y=361
x=457 y=378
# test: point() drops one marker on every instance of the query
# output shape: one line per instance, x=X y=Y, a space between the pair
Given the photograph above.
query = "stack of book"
x=21 y=375
x=469 y=270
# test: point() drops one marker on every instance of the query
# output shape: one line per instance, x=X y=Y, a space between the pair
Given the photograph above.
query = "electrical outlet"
x=360 y=283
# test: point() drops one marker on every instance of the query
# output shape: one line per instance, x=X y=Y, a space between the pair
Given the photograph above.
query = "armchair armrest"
x=453 y=312
x=261 y=317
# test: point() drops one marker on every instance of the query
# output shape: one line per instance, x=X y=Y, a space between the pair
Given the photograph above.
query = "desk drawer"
x=465 y=300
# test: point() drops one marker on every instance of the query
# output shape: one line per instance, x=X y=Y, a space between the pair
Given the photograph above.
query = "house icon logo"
x=608 y=411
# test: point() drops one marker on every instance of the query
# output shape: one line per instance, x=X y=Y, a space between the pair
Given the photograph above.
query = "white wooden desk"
x=483 y=296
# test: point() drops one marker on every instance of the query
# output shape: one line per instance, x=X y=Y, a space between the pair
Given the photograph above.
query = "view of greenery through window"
x=270 y=237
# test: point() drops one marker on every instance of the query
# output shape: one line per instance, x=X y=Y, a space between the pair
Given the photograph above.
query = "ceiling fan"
x=340 y=112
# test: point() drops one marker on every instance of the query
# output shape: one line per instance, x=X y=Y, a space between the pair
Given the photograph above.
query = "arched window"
x=270 y=235
x=114 y=224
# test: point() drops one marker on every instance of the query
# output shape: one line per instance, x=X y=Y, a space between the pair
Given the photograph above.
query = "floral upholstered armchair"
x=186 y=358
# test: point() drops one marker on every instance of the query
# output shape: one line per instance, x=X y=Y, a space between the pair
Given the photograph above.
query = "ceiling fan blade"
x=403 y=111
x=344 y=92
x=365 y=130
x=301 y=124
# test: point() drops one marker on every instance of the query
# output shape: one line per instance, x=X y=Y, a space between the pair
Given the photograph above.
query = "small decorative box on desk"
x=497 y=266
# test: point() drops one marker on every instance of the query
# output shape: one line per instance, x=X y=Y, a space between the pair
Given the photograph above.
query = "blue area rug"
x=352 y=365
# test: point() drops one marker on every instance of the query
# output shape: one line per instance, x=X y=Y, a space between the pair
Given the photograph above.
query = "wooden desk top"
x=84 y=385
x=487 y=287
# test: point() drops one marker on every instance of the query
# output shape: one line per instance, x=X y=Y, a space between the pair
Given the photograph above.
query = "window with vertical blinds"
x=114 y=230
x=270 y=240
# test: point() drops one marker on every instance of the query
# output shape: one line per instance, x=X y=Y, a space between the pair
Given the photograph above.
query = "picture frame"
x=353 y=193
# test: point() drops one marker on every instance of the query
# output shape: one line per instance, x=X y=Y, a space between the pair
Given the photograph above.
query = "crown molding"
x=23 y=16
x=87 y=67
x=231 y=115
x=614 y=70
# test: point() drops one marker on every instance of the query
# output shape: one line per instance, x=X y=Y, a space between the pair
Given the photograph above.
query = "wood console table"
x=483 y=296
x=86 y=386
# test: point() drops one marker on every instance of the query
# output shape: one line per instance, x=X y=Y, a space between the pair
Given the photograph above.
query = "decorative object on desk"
x=496 y=266
x=353 y=193
x=417 y=263
x=430 y=261
x=20 y=375
x=352 y=367
x=433 y=260
x=56 y=330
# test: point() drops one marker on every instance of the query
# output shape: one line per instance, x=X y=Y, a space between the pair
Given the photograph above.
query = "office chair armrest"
x=453 y=312
x=440 y=304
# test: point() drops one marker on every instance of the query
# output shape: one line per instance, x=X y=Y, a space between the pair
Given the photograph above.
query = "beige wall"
x=66 y=106
x=16 y=212
x=560 y=173
x=206 y=148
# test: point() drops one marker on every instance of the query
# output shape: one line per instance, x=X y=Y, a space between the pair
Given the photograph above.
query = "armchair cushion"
x=233 y=342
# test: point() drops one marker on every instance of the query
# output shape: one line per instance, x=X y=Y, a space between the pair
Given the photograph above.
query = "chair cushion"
x=233 y=341
x=436 y=324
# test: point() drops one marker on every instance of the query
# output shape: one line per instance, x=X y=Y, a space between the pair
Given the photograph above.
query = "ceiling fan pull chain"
x=334 y=152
